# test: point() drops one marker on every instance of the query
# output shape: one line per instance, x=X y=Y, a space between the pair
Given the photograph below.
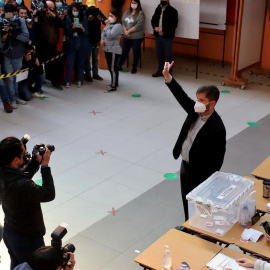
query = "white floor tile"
x=110 y=195
x=78 y=213
x=104 y=166
x=138 y=177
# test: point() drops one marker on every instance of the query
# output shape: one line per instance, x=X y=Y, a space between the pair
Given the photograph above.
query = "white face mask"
x=200 y=107
x=134 y=6
x=111 y=20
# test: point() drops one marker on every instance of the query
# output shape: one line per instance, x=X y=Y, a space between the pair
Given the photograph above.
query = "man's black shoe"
x=157 y=74
x=182 y=229
x=57 y=86
x=134 y=70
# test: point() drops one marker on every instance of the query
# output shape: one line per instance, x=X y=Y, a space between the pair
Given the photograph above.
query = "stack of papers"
x=251 y=234
x=222 y=261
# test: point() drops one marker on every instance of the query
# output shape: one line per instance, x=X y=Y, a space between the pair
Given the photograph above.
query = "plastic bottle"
x=251 y=203
x=167 y=259
x=244 y=216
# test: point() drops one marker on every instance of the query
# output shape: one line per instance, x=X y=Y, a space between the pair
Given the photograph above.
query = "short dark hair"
x=29 y=47
x=46 y=258
x=116 y=13
x=24 y=8
x=211 y=92
x=10 y=148
x=9 y=8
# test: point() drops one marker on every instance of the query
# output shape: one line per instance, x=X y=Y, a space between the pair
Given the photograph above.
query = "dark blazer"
x=208 y=149
x=169 y=21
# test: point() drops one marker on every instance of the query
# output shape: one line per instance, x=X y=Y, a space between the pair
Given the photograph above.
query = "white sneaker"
x=13 y=105
x=67 y=85
x=79 y=84
x=37 y=95
x=20 y=101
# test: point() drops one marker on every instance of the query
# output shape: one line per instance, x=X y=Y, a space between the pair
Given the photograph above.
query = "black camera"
x=13 y=29
x=57 y=236
x=40 y=148
x=34 y=56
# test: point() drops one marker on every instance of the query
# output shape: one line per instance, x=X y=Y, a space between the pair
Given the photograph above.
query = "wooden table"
x=261 y=202
x=263 y=170
x=183 y=247
x=233 y=254
x=227 y=239
x=261 y=246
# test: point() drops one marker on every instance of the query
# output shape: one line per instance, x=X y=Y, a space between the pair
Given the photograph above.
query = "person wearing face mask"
x=110 y=39
x=77 y=42
x=95 y=18
x=12 y=46
x=164 y=23
x=47 y=36
x=133 y=21
x=23 y=224
x=202 y=140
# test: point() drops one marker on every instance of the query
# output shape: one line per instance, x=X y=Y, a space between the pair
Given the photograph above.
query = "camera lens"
x=50 y=147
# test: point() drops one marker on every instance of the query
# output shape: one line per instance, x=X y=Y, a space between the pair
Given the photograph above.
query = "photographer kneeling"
x=35 y=76
x=47 y=258
x=23 y=224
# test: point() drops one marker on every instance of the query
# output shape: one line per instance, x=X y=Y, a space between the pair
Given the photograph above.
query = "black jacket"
x=21 y=198
x=169 y=21
x=208 y=149
x=94 y=26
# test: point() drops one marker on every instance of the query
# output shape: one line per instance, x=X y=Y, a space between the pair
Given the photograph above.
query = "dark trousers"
x=20 y=247
x=112 y=60
x=135 y=44
x=25 y=90
x=187 y=182
x=1 y=232
x=53 y=69
x=94 y=53
x=164 y=51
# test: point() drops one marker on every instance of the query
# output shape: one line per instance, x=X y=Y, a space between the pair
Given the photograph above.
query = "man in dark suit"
x=202 y=140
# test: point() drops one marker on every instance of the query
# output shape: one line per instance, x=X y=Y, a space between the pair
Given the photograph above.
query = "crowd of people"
x=32 y=40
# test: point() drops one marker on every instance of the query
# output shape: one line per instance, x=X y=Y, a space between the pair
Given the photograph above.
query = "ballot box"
x=216 y=203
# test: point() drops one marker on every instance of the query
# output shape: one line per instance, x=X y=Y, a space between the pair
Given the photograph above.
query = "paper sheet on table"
x=251 y=234
x=221 y=261
x=22 y=76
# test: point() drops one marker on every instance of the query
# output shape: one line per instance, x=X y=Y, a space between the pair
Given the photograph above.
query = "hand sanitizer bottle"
x=167 y=259
x=251 y=203
x=244 y=216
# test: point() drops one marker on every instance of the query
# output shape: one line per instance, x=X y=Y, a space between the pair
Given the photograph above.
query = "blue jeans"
x=94 y=52
x=80 y=53
x=164 y=49
x=20 y=247
x=136 y=48
x=11 y=65
x=24 y=88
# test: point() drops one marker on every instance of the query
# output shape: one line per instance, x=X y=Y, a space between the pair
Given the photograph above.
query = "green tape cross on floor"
x=254 y=124
x=136 y=95
x=170 y=176
x=38 y=182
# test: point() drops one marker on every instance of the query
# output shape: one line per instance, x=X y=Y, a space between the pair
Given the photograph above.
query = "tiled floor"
x=136 y=137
